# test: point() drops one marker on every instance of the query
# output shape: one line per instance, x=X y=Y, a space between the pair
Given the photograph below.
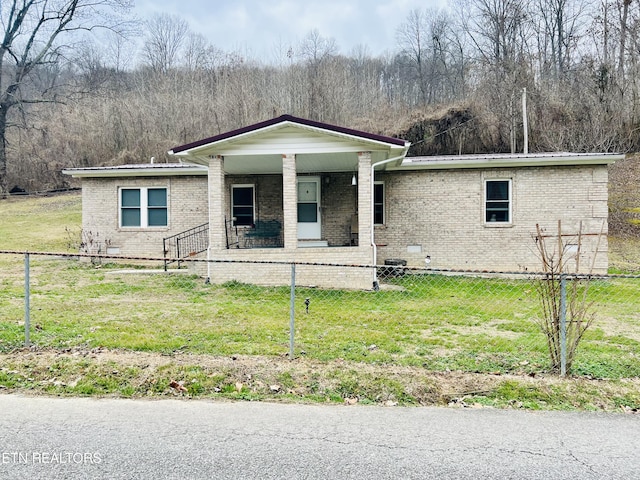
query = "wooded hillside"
x=453 y=83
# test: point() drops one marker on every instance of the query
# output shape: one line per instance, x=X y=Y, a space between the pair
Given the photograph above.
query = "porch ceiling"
x=305 y=163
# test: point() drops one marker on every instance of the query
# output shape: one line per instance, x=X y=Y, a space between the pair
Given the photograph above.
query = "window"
x=242 y=204
x=498 y=201
x=143 y=207
x=378 y=203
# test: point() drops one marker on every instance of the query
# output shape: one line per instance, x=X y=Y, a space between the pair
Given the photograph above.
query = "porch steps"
x=185 y=244
x=312 y=243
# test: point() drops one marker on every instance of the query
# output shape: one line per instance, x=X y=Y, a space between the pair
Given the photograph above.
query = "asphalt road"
x=53 y=438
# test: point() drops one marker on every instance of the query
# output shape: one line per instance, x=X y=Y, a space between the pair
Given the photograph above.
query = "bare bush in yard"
x=87 y=242
x=561 y=264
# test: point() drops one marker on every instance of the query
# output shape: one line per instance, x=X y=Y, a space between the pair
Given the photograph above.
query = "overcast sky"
x=257 y=27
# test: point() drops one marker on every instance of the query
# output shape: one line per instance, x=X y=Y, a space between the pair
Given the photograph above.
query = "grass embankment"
x=624 y=255
x=39 y=223
x=435 y=341
x=148 y=375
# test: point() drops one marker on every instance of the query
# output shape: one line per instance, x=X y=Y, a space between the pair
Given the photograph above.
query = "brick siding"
x=279 y=274
x=440 y=214
x=187 y=208
x=435 y=213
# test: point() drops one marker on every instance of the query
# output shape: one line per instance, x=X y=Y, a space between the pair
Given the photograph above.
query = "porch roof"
x=319 y=147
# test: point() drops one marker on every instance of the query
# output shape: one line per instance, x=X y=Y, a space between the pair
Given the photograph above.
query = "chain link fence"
x=487 y=322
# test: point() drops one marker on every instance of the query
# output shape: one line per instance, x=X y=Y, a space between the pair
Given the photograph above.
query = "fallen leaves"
x=178 y=386
x=257 y=378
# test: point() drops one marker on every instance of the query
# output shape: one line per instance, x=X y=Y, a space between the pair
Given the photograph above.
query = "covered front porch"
x=292 y=190
x=327 y=211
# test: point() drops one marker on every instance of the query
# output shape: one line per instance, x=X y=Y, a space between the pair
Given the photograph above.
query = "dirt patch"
x=614 y=327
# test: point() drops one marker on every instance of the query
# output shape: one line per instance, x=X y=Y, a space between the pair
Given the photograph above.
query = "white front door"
x=309 y=226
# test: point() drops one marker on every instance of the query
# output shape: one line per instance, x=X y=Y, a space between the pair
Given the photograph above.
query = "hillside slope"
x=40 y=224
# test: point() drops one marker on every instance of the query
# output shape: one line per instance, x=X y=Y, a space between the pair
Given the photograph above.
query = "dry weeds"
x=304 y=380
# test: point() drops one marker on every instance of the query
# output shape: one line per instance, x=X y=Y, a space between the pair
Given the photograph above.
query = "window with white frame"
x=378 y=203
x=497 y=201
x=243 y=204
x=143 y=207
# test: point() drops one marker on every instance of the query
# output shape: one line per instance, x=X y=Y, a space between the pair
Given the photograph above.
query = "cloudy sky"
x=258 y=27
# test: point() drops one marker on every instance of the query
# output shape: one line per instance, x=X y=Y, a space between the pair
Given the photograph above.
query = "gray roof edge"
x=137 y=170
x=507 y=160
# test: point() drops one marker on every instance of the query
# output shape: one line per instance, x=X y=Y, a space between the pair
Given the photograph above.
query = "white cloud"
x=258 y=27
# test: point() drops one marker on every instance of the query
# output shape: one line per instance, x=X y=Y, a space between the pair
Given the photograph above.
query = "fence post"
x=292 y=310
x=27 y=305
x=563 y=325
x=164 y=249
x=178 y=250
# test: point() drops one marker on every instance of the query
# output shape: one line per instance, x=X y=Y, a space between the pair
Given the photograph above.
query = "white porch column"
x=290 y=200
x=365 y=189
x=217 y=212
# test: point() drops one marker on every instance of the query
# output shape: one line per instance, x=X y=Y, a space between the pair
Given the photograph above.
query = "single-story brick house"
x=290 y=189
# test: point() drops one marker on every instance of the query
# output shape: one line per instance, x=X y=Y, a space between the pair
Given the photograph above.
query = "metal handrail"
x=231 y=225
x=185 y=244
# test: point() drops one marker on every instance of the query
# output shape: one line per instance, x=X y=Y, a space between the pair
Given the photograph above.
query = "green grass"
x=39 y=223
x=624 y=255
x=433 y=324
x=436 y=322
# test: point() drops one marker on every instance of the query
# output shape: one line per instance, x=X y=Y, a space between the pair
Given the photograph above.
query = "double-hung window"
x=143 y=207
x=243 y=204
x=497 y=201
x=378 y=203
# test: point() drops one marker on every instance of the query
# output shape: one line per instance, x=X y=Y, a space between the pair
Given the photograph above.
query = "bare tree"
x=562 y=23
x=119 y=52
x=316 y=52
x=166 y=35
x=33 y=32
x=199 y=54
x=615 y=30
x=498 y=29
x=412 y=39
x=623 y=8
x=89 y=60
x=425 y=41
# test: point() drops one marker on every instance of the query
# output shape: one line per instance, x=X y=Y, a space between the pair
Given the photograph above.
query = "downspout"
x=373 y=242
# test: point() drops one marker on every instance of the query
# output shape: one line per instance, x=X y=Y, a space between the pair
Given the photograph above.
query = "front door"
x=309 y=227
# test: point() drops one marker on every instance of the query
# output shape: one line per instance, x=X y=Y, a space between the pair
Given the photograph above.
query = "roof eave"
x=134 y=172
x=187 y=155
x=441 y=163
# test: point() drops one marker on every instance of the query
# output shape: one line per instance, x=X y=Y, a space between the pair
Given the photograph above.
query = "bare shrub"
x=87 y=242
x=566 y=311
